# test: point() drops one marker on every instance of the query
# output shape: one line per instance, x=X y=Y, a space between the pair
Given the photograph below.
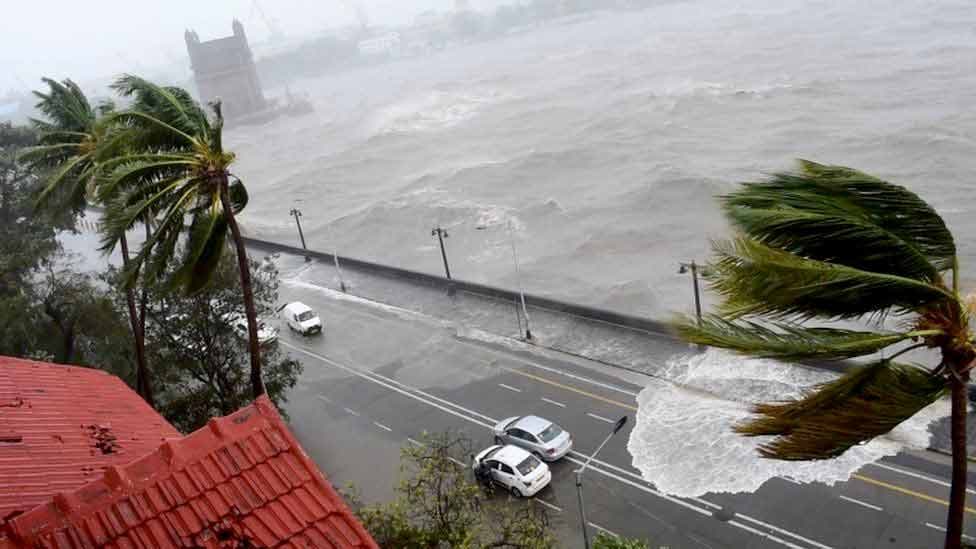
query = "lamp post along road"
x=441 y=235
x=297 y=214
x=693 y=267
x=518 y=280
x=335 y=259
x=579 y=478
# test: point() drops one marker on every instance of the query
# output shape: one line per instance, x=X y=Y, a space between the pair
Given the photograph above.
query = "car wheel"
x=516 y=492
x=498 y=441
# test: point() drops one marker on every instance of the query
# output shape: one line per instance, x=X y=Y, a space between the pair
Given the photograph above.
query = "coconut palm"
x=177 y=166
x=74 y=142
x=829 y=243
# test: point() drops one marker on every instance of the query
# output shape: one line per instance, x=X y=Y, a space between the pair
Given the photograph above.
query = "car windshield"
x=528 y=465
x=550 y=432
x=307 y=315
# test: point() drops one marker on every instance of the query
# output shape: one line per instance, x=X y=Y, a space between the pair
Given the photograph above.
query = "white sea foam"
x=683 y=441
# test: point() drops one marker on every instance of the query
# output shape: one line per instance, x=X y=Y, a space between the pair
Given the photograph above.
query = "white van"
x=301 y=318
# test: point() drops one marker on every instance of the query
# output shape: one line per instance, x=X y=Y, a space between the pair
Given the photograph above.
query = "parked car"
x=518 y=471
x=542 y=437
x=301 y=318
x=266 y=334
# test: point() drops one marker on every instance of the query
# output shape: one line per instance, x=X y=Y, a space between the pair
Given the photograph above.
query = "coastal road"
x=378 y=378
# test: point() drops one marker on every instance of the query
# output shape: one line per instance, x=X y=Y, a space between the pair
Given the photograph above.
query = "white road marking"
x=597 y=465
x=384 y=427
x=553 y=402
x=549 y=505
x=859 y=502
x=917 y=475
x=602 y=529
x=510 y=388
x=353 y=412
x=323 y=398
x=939 y=528
x=601 y=418
x=414 y=442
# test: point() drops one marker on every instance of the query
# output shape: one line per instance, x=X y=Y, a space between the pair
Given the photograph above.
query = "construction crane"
x=273 y=28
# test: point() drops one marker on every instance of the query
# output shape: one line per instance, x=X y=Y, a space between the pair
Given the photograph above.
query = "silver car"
x=542 y=437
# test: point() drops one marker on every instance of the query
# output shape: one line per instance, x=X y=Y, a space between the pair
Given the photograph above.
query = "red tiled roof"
x=62 y=426
x=243 y=476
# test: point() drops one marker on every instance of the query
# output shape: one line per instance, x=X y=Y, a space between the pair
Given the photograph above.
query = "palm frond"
x=855 y=408
x=788 y=341
x=65 y=105
x=205 y=245
x=756 y=279
x=170 y=109
x=69 y=180
x=837 y=214
x=238 y=196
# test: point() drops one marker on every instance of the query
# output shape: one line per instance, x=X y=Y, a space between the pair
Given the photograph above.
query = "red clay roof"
x=62 y=426
x=243 y=476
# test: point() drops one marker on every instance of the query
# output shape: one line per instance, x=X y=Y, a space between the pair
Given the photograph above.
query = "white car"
x=520 y=472
x=266 y=334
x=301 y=318
x=542 y=437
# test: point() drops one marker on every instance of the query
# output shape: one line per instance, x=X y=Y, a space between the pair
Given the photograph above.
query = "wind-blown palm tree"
x=75 y=140
x=831 y=243
x=177 y=166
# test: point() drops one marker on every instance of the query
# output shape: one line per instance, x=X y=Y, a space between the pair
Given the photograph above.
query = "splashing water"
x=683 y=441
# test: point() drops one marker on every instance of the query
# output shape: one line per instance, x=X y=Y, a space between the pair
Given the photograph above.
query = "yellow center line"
x=569 y=388
x=906 y=491
x=858 y=476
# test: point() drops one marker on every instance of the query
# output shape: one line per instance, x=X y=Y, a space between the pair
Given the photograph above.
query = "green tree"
x=176 y=165
x=831 y=243
x=439 y=506
x=202 y=360
x=606 y=541
x=75 y=140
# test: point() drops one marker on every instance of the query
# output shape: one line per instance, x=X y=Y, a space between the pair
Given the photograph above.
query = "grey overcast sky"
x=93 y=39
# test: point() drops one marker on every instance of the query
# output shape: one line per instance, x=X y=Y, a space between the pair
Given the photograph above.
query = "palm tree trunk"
x=257 y=380
x=960 y=460
x=143 y=384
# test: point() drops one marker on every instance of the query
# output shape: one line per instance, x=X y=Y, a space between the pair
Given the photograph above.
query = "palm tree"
x=177 y=166
x=74 y=141
x=830 y=243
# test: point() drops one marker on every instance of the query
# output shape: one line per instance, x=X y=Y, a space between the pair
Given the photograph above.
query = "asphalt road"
x=379 y=378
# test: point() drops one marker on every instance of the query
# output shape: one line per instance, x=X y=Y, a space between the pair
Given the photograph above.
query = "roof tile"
x=242 y=475
x=70 y=423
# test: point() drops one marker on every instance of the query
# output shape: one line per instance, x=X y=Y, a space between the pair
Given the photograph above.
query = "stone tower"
x=224 y=69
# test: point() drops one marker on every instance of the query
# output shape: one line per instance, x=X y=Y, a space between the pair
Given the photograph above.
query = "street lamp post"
x=441 y=235
x=297 y=214
x=518 y=278
x=693 y=267
x=579 y=478
x=335 y=258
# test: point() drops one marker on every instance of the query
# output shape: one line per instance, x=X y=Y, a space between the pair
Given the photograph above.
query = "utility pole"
x=335 y=258
x=298 y=213
x=693 y=267
x=441 y=235
x=579 y=479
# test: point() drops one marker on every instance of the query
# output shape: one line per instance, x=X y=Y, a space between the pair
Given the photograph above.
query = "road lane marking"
x=414 y=442
x=939 y=528
x=353 y=412
x=549 y=505
x=601 y=418
x=569 y=388
x=602 y=529
x=384 y=427
x=597 y=468
x=510 y=388
x=553 y=402
x=862 y=503
x=323 y=398
x=917 y=475
x=896 y=488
